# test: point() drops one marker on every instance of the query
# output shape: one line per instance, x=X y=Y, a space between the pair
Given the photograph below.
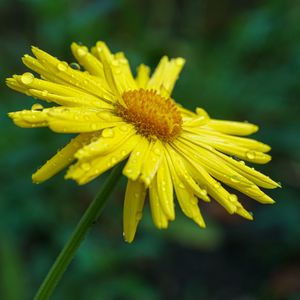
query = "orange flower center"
x=152 y=115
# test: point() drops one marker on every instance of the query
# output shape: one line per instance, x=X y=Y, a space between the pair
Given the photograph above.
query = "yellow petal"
x=61 y=159
x=82 y=81
x=221 y=171
x=240 y=210
x=109 y=140
x=165 y=189
x=165 y=75
x=151 y=161
x=58 y=93
x=135 y=162
x=159 y=218
x=65 y=119
x=87 y=60
x=228 y=147
x=218 y=137
x=13 y=84
x=133 y=208
x=29 y=118
x=186 y=178
x=214 y=187
x=187 y=201
x=230 y=127
x=172 y=73
x=142 y=77
x=86 y=170
x=157 y=77
x=249 y=173
x=114 y=71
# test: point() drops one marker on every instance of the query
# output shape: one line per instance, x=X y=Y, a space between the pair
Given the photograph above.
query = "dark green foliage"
x=243 y=63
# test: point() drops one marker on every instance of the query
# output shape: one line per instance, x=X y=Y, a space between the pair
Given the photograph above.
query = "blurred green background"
x=243 y=63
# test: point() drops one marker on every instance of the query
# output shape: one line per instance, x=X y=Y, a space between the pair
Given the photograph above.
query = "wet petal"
x=133 y=208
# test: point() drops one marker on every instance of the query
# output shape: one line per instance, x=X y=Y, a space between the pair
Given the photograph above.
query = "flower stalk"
x=86 y=222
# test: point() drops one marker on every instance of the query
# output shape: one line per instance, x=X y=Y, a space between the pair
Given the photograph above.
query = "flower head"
x=118 y=116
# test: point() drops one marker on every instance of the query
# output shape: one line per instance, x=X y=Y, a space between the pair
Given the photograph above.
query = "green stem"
x=88 y=219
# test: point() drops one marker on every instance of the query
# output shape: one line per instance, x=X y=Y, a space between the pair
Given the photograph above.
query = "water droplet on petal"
x=44 y=93
x=234 y=179
x=136 y=195
x=94 y=126
x=217 y=185
x=85 y=166
x=138 y=153
x=242 y=162
x=123 y=152
x=104 y=115
x=115 y=63
x=108 y=132
x=124 y=127
x=75 y=66
x=250 y=154
x=194 y=201
x=82 y=51
x=138 y=216
x=37 y=106
x=181 y=186
x=128 y=170
x=157 y=151
x=232 y=198
x=27 y=78
x=113 y=160
x=62 y=66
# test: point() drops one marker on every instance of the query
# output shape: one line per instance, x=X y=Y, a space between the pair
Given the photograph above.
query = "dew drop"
x=94 y=126
x=82 y=51
x=104 y=115
x=62 y=66
x=75 y=66
x=157 y=151
x=234 y=179
x=124 y=128
x=85 y=166
x=181 y=186
x=37 y=106
x=194 y=201
x=44 y=93
x=250 y=154
x=203 y=192
x=217 y=185
x=123 y=152
x=123 y=61
x=115 y=63
x=136 y=195
x=113 y=160
x=138 y=153
x=108 y=132
x=242 y=162
x=232 y=198
x=27 y=78
x=128 y=170
x=138 y=216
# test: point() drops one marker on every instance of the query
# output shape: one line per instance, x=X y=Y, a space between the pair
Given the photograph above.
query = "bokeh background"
x=243 y=63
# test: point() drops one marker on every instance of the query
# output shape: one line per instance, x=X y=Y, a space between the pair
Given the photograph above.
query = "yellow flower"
x=118 y=116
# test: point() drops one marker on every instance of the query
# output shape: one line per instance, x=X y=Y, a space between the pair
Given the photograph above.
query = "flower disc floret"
x=152 y=115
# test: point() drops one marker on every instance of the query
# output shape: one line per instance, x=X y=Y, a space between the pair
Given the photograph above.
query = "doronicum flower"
x=121 y=117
